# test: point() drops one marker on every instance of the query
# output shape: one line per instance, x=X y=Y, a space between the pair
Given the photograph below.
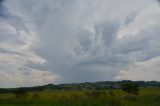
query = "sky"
x=70 y=41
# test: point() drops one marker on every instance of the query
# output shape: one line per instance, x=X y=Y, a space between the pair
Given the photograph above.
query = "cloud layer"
x=58 y=41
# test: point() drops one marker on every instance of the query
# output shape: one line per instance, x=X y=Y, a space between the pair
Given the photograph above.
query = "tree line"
x=102 y=85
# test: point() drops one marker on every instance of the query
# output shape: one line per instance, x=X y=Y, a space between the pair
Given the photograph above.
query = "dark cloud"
x=130 y=18
x=108 y=31
x=3 y=11
x=78 y=41
x=81 y=50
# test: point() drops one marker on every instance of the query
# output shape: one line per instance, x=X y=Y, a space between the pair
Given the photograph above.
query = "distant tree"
x=21 y=93
x=131 y=88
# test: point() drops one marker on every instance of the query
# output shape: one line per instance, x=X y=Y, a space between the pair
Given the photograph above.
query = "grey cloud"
x=108 y=31
x=10 y=52
x=79 y=40
x=16 y=43
x=2 y=11
x=85 y=40
x=145 y=42
x=130 y=18
x=88 y=49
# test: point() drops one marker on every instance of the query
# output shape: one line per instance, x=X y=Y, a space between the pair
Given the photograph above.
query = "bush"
x=131 y=88
x=21 y=93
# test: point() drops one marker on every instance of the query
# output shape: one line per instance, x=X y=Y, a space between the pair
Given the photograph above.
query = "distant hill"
x=102 y=85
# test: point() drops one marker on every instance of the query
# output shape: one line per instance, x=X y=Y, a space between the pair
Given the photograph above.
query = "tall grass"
x=147 y=97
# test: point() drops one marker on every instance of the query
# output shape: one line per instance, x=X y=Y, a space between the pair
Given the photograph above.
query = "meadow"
x=146 y=97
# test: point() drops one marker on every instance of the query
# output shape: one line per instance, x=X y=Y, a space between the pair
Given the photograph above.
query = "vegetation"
x=103 y=85
x=131 y=88
x=21 y=93
x=84 y=94
x=147 y=97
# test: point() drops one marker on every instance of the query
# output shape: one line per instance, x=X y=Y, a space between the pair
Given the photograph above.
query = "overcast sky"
x=66 y=41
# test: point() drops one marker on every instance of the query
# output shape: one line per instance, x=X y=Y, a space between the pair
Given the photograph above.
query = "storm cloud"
x=61 y=41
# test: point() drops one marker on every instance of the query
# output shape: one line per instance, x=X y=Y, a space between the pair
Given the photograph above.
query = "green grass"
x=147 y=97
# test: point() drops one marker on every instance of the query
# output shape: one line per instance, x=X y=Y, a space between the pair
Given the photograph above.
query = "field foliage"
x=146 y=97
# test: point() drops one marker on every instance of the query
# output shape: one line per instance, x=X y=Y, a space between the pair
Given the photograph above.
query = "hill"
x=102 y=85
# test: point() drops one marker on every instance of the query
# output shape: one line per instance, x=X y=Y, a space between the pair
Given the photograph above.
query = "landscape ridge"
x=100 y=85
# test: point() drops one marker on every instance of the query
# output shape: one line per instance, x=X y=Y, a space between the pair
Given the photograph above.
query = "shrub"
x=131 y=88
x=21 y=93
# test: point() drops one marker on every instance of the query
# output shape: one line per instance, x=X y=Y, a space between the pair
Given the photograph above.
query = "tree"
x=21 y=93
x=131 y=88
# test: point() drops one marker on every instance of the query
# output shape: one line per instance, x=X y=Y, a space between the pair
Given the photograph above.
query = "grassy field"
x=147 y=97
